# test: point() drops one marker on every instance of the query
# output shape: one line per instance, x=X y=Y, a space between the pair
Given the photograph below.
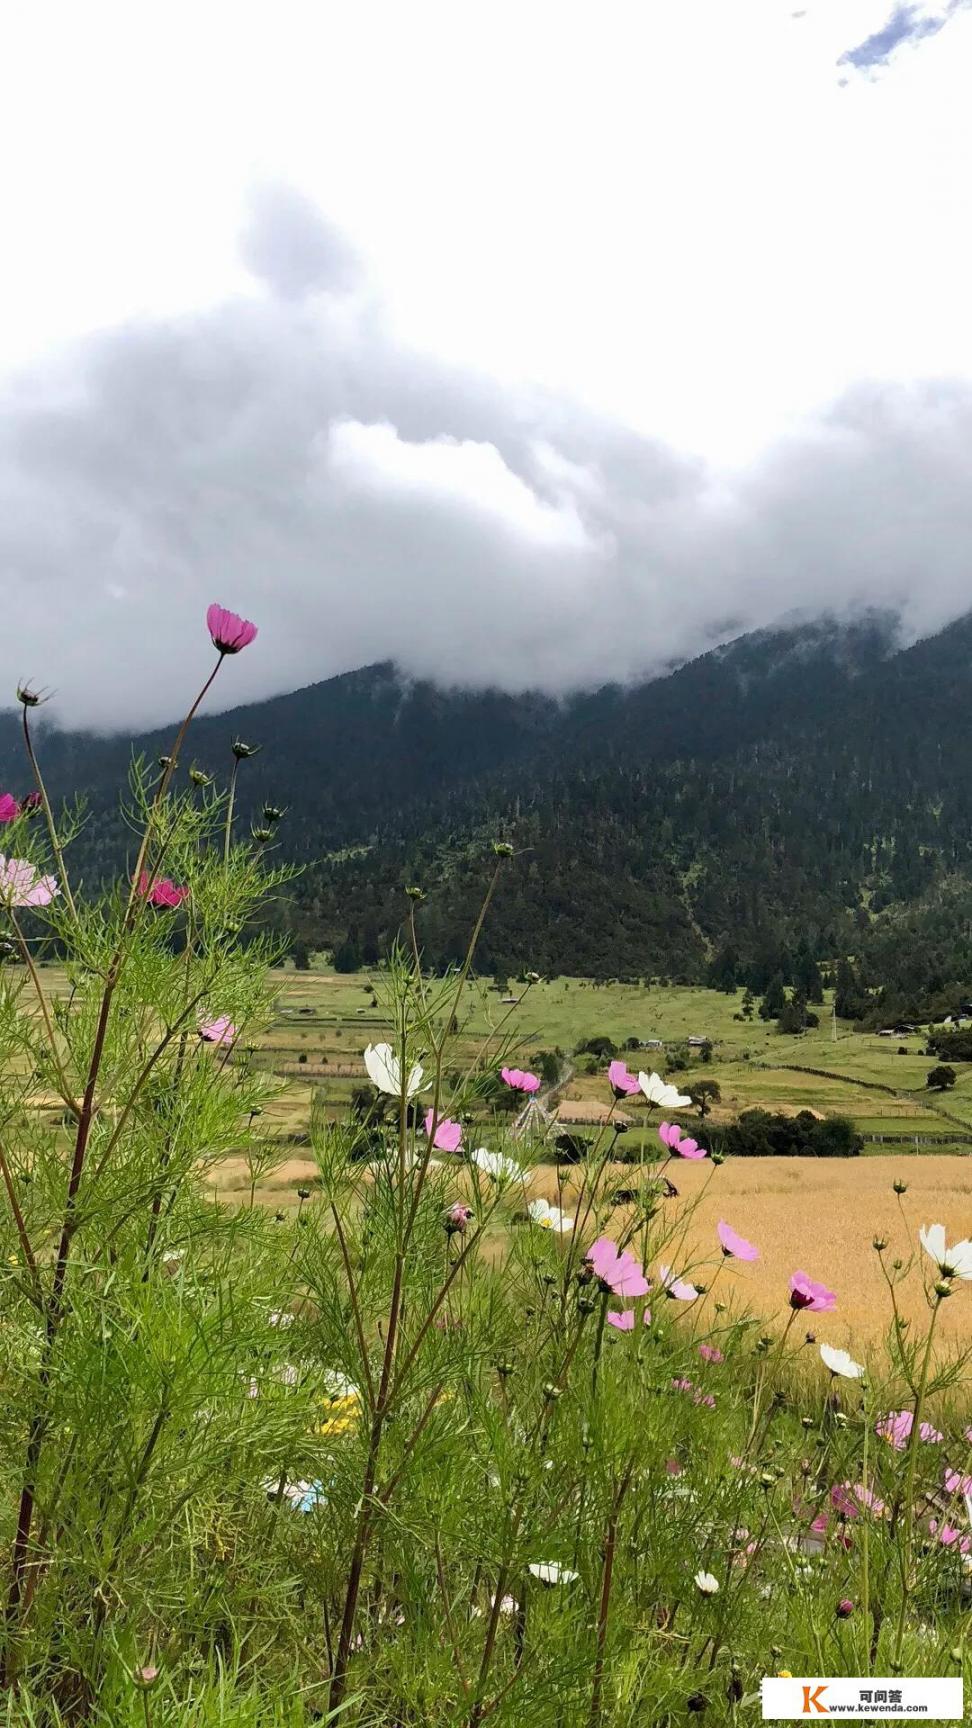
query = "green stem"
x=909 y=1530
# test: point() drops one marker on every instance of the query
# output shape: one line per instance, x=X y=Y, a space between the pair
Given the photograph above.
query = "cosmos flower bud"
x=303 y=1193
x=146 y=1675
x=766 y=1479
x=279 y=1217
x=263 y=834
x=696 y=1702
x=845 y=1608
x=31 y=803
x=30 y=698
x=551 y=1392
x=531 y=977
x=416 y=894
x=272 y=813
x=165 y=762
x=243 y=751
x=879 y=1244
x=502 y=849
x=811 y=1338
x=199 y=777
x=806 y=1421
x=586 y=1305
x=504 y=1369
x=942 y=1289
x=896 y=1265
x=900 y=1187
x=716 y=1156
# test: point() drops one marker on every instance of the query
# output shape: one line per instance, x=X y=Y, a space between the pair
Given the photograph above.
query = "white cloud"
x=625 y=328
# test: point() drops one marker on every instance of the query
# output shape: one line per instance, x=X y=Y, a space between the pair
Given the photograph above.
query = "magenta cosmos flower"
x=22 y=885
x=9 y=808
x=520 y=1079
x=896 y=1428
x=220 y=1031
x=447 y=1136
x=670 y=1135
x=622 y=1083
x=734 y=1246
x=709 y=1353
x=618 y=1272
x=160 y=891
x=228 y=630
x=807 y=1293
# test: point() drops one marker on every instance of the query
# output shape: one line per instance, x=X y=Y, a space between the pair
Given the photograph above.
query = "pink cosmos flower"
x=709 y=1353
x=896 y=1428
x=682 y=1385
x=520 y=1079
x=670 y=1135
x=220 y=1031
x=228 y=630
x=705 y=1398
x=678 y=1288
x=21 y=885
x=160 y=891
x=447 y=1136
x=457 y=1218
x=949 y=1536
x=807 y=1293
x=735 y=1247
x=9 y=808
x=956 y=1483
x=617 y=1272
x=31 y=801
x=850 y=1500
x=673 y=1467
x=624 y=1319
x=622 y=1082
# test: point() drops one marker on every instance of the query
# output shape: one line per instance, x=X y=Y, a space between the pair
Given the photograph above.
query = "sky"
x=525 y=345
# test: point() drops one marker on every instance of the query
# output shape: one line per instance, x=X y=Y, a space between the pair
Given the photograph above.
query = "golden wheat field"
x=819 y=1216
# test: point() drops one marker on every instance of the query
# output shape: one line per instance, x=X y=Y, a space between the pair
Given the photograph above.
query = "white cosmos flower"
x=706 y=1582
x=549 y=1217
x=280 y=1317
x=551 y=1572
x=337 y=1385
x=501 y=1168
x=657 y=1091
x=954 y=1262
x=385 y=1071
x=841 y=1362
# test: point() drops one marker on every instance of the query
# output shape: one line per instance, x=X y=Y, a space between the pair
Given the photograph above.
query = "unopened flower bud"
x=702 y=1289
x=766 y=1479
x=242 y=750
x=146 y=1675
x=502 y=849
x=942 y=1289
x=896 y=1265
x=31 y=803
x=165 y=762
x=763 y=1344
x=806 y=1421
x=416 y=894
x=845 y=1608
x=263 y=835
x=531 y=977
x=272 y=813
x=717 y=1157
x=303 y=1193
x=199 y=777
x=551 y=1392
x=504 y=1369
x=811 y=1338
x=879 y=1244
x=585 y=1305
x=900 y=1187
x=279 y=1217
x=696 y=1702
x=30 y=698
x=719 y=1307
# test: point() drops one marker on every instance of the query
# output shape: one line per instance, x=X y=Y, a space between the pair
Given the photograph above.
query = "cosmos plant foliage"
x=464 y=1438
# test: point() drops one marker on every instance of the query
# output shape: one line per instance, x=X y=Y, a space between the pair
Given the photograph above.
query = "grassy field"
x=821 y=1214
